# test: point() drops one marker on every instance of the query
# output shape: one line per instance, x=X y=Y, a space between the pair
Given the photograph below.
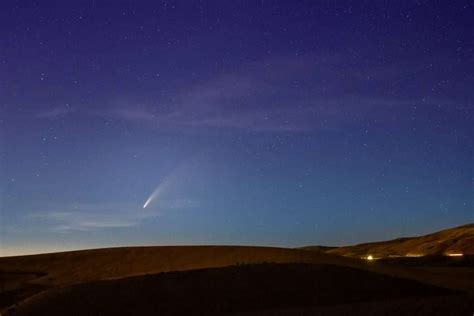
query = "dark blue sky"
x=257 y=122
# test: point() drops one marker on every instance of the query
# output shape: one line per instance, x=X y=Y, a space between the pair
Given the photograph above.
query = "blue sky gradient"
x=283 y=123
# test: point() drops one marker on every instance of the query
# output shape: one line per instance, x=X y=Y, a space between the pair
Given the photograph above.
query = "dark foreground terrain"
x=244 y=289
x=24 y=276
x=217 y=280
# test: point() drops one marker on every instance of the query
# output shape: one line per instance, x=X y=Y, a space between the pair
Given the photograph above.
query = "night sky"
x=282 y=123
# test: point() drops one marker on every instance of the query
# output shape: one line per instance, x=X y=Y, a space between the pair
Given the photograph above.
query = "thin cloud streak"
x=56 y=112
x=88 y=217
x=280 y=95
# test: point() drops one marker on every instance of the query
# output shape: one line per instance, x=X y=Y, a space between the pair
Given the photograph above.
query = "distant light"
x=369 y=257
x=455 y=254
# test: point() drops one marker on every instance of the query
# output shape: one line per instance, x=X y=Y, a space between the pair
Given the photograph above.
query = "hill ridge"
x=459 y=239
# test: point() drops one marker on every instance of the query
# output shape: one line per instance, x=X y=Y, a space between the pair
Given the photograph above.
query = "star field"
x=281 y=123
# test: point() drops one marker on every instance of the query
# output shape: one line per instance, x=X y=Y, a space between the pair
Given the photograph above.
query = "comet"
x=148 y=201
x=163 y=186
x=170 y=181
x=153 y=195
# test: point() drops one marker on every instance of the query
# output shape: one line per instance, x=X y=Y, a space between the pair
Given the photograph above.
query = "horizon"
x=281 y=124
x=15 y=252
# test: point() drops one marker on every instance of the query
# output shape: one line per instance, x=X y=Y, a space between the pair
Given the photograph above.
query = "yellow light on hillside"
x=370 y=258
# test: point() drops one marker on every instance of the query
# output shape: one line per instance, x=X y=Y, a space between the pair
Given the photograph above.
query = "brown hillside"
x=222 y=291
x=454 y=240
x=87 y=265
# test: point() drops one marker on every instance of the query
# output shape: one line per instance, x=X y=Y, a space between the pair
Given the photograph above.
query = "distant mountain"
x=449 y=241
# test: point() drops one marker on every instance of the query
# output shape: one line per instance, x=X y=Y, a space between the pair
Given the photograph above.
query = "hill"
x=318 y=248
x=449 y=241
x=23 y=276
x=236 y=289
x=236 y=278
x=108 y=263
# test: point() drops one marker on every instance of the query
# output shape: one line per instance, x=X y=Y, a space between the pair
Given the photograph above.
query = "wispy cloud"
x=87 y=217
x=138 y=114
x=282 y=94
x=55 y=112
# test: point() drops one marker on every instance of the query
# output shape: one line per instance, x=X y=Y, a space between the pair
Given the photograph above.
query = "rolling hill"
x=236 y=289
x=212 y=279
x=64 y=268
x=24 y=276
x=449 y=241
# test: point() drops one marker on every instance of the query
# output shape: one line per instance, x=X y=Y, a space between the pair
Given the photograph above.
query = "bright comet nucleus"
x=146 y=203
x=151 y=197
x=165 y=184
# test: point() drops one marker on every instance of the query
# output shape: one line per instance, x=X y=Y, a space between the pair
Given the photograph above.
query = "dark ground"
x=213 y=281
x=265 y=288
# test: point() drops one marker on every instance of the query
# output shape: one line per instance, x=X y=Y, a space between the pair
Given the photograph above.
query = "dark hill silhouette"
x=235 y=289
